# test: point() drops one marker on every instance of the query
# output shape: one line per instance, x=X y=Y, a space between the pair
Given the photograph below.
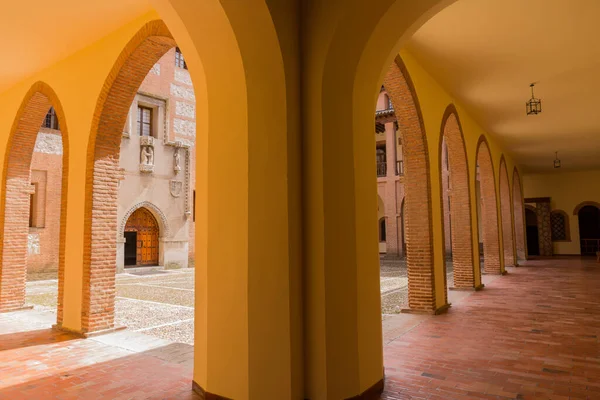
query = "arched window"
x=559 y=224
x=51 y=120
x=382 y=230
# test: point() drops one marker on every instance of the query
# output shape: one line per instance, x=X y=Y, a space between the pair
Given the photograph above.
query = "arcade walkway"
x=530 y=334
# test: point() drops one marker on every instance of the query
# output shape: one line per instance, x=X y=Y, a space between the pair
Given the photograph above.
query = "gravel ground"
x=157 y=304
x=162 y=304
x=394 y=284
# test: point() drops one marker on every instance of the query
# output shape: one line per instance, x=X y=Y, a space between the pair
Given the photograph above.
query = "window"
x=194 y=208
x=31 y=207
x=559 y=225
x=179 y=60
x=144 y=121
x=51 y=121
x=382 y=230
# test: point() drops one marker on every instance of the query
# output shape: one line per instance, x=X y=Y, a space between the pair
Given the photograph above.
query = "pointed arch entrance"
x=422 y=293
x=489 y=210
x=459 y=206
x=17 y=193
x=141 y=239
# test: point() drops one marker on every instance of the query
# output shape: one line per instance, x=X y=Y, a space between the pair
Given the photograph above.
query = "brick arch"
x=506 y=215
x=584 y=204
x=418 y=212
x=460 y=198
x=160 y=217
x=519 y=216
x=489 y=209
x=147 y=46
x=14 y=201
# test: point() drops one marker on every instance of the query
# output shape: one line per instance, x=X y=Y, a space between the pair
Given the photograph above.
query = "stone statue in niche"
x=176 y=161
x=146 y=154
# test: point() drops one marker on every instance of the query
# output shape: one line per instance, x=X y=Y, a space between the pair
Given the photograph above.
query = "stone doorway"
x=141 y=239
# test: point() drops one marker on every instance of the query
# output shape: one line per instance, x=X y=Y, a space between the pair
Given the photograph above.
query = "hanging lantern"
x=556 y=160
x=533 y=106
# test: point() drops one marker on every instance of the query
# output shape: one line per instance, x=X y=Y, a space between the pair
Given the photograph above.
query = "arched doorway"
x=533 y=244
x=381 y=225
x=589 y=229
x=141 y=239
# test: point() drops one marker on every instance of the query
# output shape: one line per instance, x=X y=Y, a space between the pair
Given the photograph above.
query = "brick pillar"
x=459 y=208
x=507 y=220
x=542 y=210
x=422 y=294
x=489 y=210
x=15 y=201
x=446 y=201
x=100 y=251
x=519 y=212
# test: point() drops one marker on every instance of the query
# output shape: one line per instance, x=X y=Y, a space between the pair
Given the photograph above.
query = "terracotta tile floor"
x=44 y=364
x=532 y=334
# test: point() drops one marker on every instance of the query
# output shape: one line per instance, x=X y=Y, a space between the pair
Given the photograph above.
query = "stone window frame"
x=180 y=59
x=160 y=115
x=567 y=226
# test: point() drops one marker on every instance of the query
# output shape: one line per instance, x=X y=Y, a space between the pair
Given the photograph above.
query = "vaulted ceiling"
x=36 y=33
x=487 y=52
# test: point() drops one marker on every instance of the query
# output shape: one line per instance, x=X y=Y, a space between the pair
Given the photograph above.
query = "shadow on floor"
x=39 y=337
x=145 y=375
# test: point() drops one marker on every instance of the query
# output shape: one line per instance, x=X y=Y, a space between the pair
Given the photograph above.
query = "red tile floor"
x=532 y=334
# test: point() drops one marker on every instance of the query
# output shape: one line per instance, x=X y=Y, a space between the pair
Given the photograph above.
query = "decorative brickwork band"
x=489 y=209
x=460 y=199
x=507 y=220
x=419 y=242
x=519 y=212
x=103 y=173
x=542 y=211
x=14 y=203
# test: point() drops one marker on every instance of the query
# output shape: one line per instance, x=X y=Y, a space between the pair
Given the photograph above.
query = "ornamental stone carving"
x=176 y=160
x=176 y=188
x=146 y=154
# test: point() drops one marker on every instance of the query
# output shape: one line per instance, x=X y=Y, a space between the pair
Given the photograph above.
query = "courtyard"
x=160 y=303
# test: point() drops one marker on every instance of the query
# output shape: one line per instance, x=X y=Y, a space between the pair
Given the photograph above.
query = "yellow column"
x=248 y=315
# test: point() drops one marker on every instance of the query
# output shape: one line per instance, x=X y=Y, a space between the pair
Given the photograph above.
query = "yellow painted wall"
x=566 y=190
x=256 y=193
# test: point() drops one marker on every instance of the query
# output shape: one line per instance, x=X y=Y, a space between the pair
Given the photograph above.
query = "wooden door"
x=143 y=222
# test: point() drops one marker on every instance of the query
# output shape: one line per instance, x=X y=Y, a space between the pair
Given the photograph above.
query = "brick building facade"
x=164 y=188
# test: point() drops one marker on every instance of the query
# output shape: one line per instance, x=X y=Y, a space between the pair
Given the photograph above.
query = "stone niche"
x=147 y=154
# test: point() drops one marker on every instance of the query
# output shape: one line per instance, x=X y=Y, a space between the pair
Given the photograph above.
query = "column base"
x=438 y=311
x=204 y=395
x=86 y=335
x=468 y=289
x=7 y=310
x=372 y=393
